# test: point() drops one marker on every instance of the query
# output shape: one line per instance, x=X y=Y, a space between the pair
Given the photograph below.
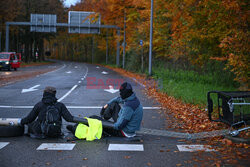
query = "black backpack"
x=51 y=126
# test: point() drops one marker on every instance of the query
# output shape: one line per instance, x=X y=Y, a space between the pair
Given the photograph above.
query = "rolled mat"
x=9 y=121
x=105 y=124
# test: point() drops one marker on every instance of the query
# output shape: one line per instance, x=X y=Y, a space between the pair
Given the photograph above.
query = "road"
x=73 y=83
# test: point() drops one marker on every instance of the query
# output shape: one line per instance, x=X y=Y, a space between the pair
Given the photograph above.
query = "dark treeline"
x=20 y=38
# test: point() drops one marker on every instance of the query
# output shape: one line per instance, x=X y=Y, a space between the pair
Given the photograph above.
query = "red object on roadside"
x=10 y=60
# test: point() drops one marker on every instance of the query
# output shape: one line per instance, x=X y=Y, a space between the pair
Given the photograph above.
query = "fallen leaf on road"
x=217 y=165
x=178 y=164
x=127 y=157
x=161 y=150
x=149 y=164
x=85 y=159
x=48 y=163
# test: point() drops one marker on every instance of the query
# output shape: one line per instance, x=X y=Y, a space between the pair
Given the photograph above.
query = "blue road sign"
x=141 y=42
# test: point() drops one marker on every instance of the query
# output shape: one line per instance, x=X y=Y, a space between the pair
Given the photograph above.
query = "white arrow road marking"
x=76 y=107
x=56 y=146
x=3 y=144
x=30 y=89
x=125 y=147
x=111 y=89
x=69 y=72
x=104 y=72
x=195 y=148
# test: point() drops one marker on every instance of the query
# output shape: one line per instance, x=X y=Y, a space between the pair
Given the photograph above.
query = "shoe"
x=70 y=128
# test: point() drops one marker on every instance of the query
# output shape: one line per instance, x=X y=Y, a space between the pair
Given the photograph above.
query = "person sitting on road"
x=127 y=119
x=45 y=119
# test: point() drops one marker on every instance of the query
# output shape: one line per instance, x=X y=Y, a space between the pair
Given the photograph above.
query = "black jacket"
x=39 y=110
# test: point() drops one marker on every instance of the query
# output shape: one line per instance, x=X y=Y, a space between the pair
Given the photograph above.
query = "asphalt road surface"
x=73 y=82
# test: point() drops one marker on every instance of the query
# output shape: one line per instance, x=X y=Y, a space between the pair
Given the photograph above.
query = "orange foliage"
x=192 y=30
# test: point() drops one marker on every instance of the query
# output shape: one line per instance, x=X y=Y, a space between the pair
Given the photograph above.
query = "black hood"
x=49 y=98
x=126 y=90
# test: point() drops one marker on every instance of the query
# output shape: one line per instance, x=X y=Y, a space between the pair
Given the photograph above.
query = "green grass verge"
x=189 y=86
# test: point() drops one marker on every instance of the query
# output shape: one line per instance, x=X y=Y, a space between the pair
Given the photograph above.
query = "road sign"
x=141 y=42
x=77 y=19
x=42 y=23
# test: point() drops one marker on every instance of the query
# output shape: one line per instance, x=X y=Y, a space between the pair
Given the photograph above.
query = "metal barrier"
x=233 y=107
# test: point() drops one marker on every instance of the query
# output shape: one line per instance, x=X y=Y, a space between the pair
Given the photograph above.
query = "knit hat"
x=126 y=90
x=50 y=89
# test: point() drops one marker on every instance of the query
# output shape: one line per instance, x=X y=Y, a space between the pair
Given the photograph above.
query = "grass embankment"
x=190 y=86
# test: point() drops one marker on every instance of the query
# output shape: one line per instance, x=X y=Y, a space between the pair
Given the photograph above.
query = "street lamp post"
x=124 y=41
x=151 y=38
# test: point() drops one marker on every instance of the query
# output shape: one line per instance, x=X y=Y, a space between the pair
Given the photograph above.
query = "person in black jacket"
x=37 y=116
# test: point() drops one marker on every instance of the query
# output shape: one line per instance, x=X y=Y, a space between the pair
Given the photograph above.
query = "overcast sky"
x=67 y=3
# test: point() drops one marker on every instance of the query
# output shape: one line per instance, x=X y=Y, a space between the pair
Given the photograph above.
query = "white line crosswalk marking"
x=3 y=144
x=125 y=147
x=56 y=146
x=191 y=148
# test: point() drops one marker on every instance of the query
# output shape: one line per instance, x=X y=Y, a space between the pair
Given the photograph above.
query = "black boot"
x=71 y=128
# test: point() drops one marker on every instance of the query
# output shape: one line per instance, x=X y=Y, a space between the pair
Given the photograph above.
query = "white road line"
x=151 y=108
x=55 y=70
x=86 y=73
x=191 y=148
x=3 y=144
x=73 y=88
x=75 y=107
x=79 y=81
x=138 y=82
x=56 y=146
x=105 y=73
x=16 y=107
x=125 y=147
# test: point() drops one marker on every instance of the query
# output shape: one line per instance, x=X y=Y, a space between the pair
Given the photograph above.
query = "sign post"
x=142 y=61
x=151 y=39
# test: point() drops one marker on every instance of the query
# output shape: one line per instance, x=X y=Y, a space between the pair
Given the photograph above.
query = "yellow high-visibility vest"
x=94 y=131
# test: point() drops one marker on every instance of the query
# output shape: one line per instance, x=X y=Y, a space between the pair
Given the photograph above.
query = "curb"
x=237 y=139
x=189 y=136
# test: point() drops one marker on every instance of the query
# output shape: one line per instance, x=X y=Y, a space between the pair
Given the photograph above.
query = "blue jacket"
x=132 y=111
